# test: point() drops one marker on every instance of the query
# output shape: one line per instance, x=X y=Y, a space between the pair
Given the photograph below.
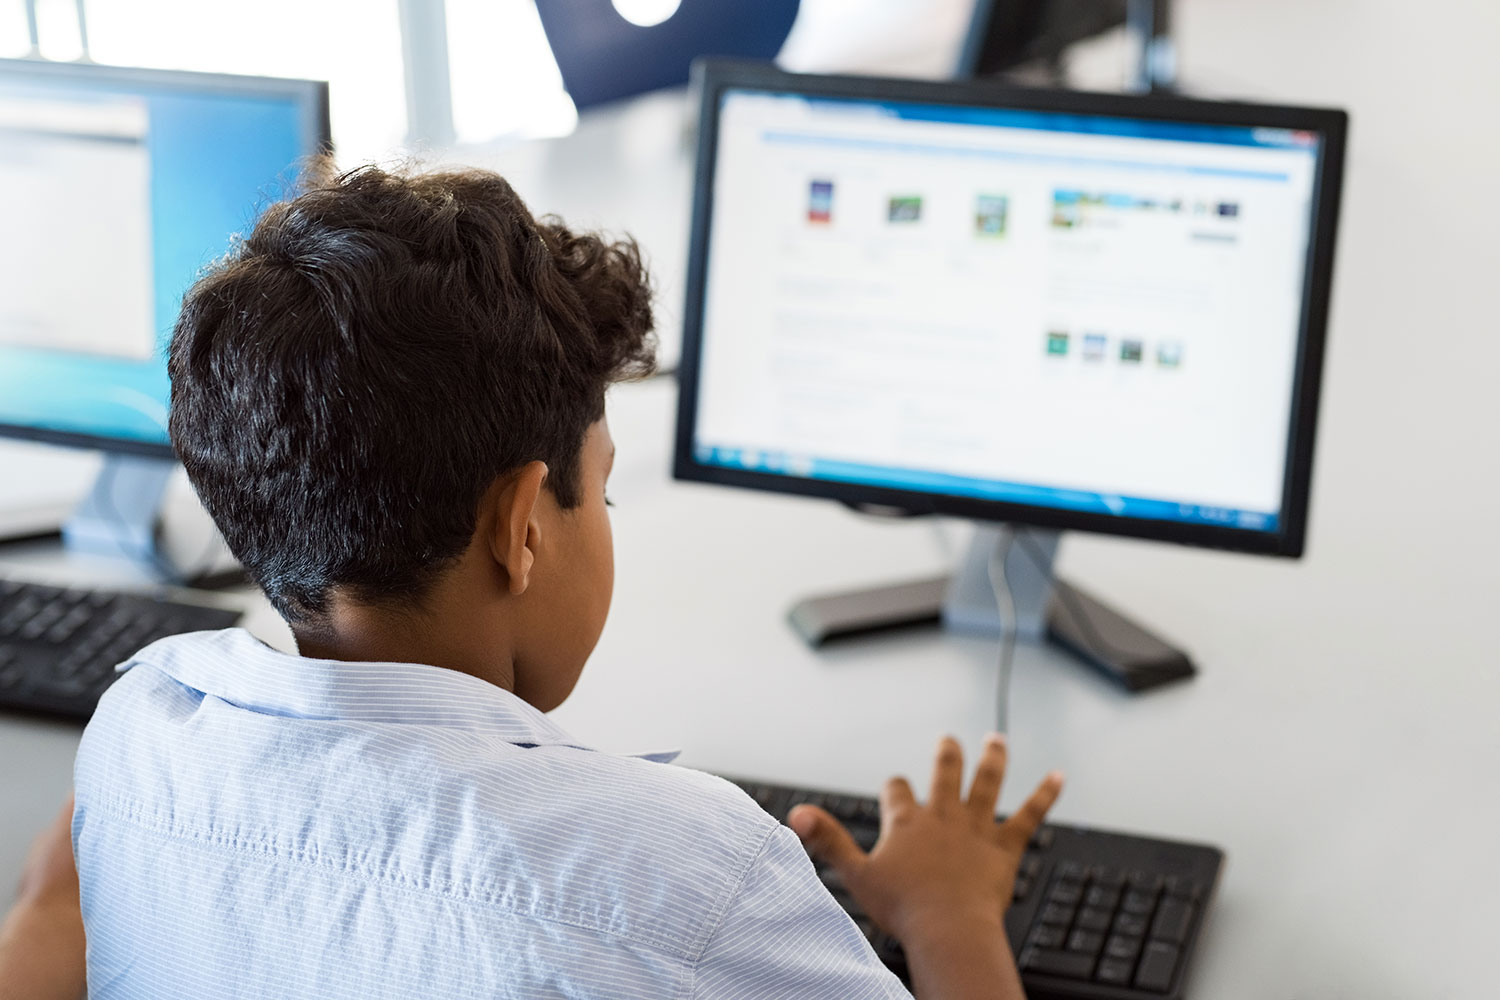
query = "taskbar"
x=947 y=484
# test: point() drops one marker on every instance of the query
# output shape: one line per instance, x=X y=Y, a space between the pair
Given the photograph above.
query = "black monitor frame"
x=311 y=93
x=713 y=78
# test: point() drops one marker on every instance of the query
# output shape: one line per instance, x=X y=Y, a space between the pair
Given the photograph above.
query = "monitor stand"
x=1045 y=608
x=121 y=518
x=122 y=511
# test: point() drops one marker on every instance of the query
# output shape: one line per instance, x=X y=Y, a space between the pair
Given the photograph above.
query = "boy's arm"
x=782 y=935
x=41 y=939
x=941 y=875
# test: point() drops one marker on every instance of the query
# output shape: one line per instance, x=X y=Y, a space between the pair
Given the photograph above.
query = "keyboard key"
x=1066 y=893
x=1087 y=941
x=1157 y=965
x=69 y=687
x=1048 y=937
x=1093 y=919
x=61 y=632
x=1021 y=889
x=1148 y=882
x=845 y=807
x=1073 y=871
x=1123 y=948
x=1184 y=886
x=1172 y=920
x=1110 y=878
x=1104 y=897
x=1115 y=972
x=1042 y=839
x=1139 y=902
x=1031 y=865
x=1067 y=964
x=1057 y=913
x=1130 y=925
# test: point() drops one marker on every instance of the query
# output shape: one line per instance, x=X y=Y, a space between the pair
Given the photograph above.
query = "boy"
x=390 y=398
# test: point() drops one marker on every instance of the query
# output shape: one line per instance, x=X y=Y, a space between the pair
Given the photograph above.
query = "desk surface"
x=1352 y=792
x=1340 y=742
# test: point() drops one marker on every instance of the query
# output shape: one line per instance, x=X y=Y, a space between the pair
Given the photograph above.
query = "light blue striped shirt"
x=255 y=824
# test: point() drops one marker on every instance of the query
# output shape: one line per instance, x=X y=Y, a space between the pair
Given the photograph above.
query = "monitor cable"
x=1006 y=604
x=1069 y=602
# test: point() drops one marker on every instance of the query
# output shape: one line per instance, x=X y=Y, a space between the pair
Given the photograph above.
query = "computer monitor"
x=1055 y=310
x=118 y=186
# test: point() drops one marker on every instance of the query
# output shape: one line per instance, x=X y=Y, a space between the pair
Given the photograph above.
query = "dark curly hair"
x=349 y=381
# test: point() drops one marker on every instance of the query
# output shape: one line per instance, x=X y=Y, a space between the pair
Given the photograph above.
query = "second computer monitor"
x=1058 y=309
x=118 y=186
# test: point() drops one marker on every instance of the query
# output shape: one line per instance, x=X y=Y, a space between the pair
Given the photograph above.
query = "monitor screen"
x=118 y=187
x=1023 y=307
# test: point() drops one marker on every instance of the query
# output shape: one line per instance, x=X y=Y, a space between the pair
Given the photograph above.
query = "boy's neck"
x=359 y=633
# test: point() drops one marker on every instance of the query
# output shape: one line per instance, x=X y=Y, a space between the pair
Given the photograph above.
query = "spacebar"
x=1070 y=964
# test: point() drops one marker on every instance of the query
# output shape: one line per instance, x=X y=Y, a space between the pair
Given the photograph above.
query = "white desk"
x=1340 y=742
x=1352 y=790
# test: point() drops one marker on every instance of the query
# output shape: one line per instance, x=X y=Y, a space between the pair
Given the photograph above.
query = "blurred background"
x=477 y=81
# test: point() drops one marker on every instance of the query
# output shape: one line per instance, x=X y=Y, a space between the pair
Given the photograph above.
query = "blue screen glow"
x=206 y=162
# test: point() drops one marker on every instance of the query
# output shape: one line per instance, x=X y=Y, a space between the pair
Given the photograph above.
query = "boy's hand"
x=49 y=875
x=940 y=876
x=41 y=939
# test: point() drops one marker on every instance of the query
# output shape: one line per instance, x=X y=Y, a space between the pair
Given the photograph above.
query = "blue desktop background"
x=216 y=161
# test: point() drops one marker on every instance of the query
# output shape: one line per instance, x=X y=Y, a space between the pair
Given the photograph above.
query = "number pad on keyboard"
x=1121 y=928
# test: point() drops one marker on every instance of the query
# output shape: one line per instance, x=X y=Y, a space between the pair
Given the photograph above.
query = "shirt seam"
x=717 y=922
x=128 y=812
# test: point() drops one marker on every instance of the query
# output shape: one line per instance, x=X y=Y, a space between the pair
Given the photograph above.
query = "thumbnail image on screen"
x=1099 y=314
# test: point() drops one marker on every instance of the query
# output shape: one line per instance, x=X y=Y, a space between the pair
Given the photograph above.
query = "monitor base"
x=122 y=518
x=1046 y=608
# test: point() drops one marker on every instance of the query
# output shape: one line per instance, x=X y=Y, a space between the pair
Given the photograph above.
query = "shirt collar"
x=238 y=668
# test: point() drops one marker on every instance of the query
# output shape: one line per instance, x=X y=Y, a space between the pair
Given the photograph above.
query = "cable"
x=1075 y=613
x=1006 y=603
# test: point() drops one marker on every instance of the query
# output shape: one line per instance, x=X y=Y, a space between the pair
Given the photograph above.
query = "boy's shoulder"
x=524 y=820
x=647 y=810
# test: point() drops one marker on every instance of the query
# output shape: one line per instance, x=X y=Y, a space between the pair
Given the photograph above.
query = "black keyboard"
x=1097 y=915
x=59 y=645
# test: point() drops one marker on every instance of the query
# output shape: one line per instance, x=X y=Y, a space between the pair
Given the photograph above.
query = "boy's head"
x=362 y=387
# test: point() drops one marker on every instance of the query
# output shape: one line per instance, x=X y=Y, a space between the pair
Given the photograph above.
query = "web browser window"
x=75 y=181
x=1086 y=312
x=117 y=189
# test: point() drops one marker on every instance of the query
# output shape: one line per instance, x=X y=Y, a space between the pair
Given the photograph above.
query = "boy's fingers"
x=825 y=838
x=896 y=797
x=947 y=775
x=988 y=774
x=1025 y=820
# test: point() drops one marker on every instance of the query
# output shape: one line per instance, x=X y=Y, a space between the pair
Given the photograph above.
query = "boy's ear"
x=515 y=531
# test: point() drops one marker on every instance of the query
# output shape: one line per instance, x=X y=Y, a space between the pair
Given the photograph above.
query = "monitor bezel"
x=318 y=136
x=713 y=77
